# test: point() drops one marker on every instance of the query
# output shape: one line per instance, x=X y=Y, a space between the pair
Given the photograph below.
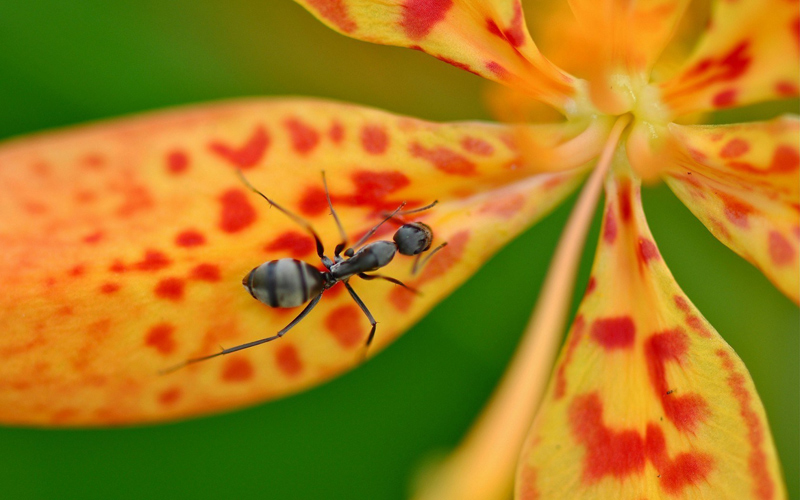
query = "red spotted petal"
x=488 y=38
x=125 y=245
x=742 y=182
x=647 y=401
x=750 y=53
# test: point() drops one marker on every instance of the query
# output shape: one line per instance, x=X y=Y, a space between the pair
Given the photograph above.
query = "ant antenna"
x=418 y=265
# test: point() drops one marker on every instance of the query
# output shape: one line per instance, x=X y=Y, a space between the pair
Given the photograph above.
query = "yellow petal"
x=125 y=244
x=750 y=53
x=623 y=40
x=647 y=401
x=488 y=38
x=742 y=182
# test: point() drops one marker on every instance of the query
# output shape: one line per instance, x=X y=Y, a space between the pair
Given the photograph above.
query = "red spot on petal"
x=237 y=213
x=477 y=146
x=624 y=197
x=504 y=206
x=457 y=64
x=647 y=251
x=93 y=161
x=177 y=162
x=117 y=267
x=170 y=396
x=170 y=289
x=444 y=159
x=248 y=154
x=420 y=16
x=734 y=148
x=499 y=71
x=374 y=139
x=205 y=272
x=623 y=453
x=780 y=250
x=787 y=89
x=237 y=369
x=736 y=211
x=345 y=323
x=757 y=461
x=78 y=270
x=288 y=360
x=610 y=226
x=304 y=137
x=93 y=238
x=109 y=288
x=334 y=11
x=153 y=260
x=135 y=199
x=574 y=339
x=313 y=202
x=614 y=333
x=515 y=34
x=681 y=303
x=401 y=298
x=190 y=238
x=160 y=338
x=295 y=244
x=336 y=132
x=785 y=159
x=724 y=99
x=685 y=411
x=372 y=190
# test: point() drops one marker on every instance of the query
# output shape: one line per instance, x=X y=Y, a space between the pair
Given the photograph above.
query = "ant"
x=290 y=282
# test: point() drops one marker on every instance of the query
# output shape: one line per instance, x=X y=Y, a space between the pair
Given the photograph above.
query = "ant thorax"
x=373 y=256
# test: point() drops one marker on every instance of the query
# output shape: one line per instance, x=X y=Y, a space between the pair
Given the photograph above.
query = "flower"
x=579 y=140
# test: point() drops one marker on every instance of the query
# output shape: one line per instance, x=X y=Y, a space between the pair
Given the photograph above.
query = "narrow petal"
x=648 y=401
x=742 y=182
x=623 y=41
x=750 y=53
x=486 y=37
x=125 y=245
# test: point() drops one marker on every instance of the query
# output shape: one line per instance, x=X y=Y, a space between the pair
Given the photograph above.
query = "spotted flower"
x=122 y=234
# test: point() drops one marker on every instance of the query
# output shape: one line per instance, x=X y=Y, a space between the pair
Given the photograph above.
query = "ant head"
x=413 y=238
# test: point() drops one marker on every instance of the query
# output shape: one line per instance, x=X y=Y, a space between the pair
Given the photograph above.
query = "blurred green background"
x=368 y=433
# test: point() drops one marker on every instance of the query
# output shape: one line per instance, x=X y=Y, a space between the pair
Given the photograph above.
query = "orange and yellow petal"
x=125 y=245
x=647 y=401
x=742 y=182
x=749 y=53
x=622 y=41
x=486 y=37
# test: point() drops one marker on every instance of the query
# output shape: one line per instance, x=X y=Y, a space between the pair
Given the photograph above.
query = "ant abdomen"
x=284 y=282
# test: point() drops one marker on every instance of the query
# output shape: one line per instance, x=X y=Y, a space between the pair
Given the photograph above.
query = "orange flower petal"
x=749 y=53
x=648 y=401
x=742 y=182
x=486 y=37
x=124 y=246
x=623 y=40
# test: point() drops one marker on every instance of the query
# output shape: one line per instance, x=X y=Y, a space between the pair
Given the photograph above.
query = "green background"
x=369 y=433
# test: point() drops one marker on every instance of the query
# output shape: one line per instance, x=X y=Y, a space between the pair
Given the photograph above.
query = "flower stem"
x=483 y=466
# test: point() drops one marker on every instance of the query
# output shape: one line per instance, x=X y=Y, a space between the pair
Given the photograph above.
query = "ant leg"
x=350 y=251
x=299 y=220
x=343 y=243
x=417 y=264
x=366 y=311
x=417 y=210
x=248 y=345
x=366 y=276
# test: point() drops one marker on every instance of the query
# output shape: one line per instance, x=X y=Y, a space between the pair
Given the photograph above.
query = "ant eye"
x=413 y=238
